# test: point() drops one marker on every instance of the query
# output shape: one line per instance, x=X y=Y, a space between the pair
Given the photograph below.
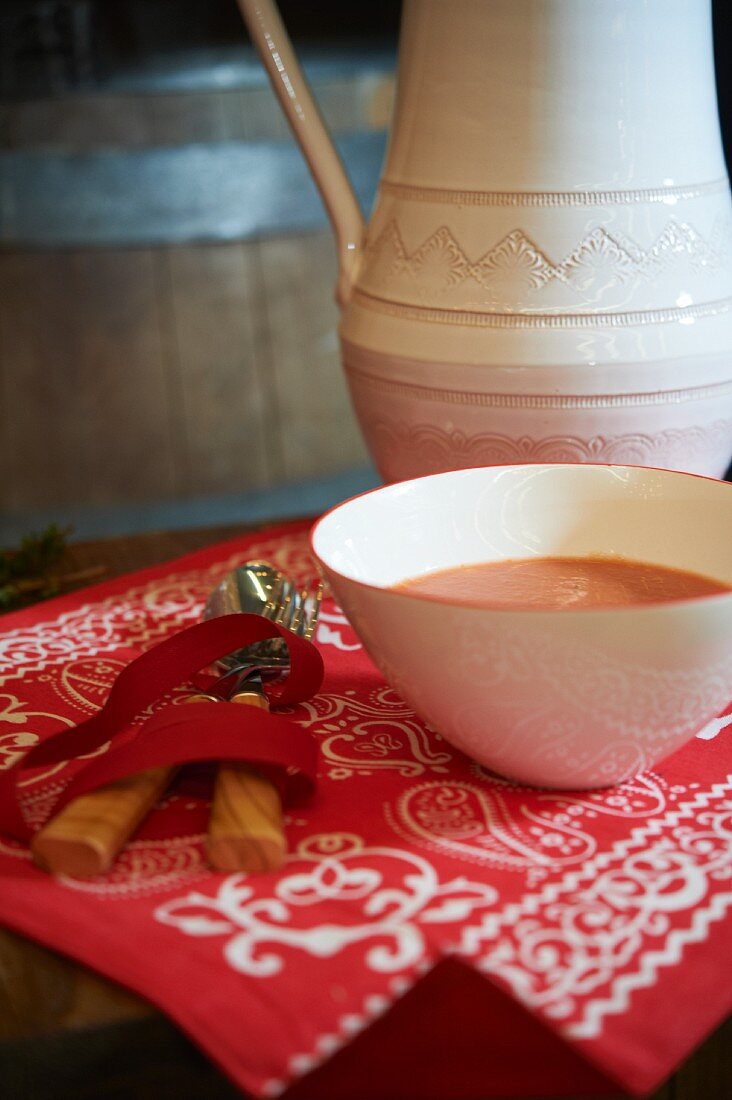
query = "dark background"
x=124 y=32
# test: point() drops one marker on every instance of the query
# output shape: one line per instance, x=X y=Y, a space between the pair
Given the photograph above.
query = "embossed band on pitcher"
x=406 y=449
x=416 y=425
x=538 y=400
x=679 y=268
x=600 y=319
x=457 y=197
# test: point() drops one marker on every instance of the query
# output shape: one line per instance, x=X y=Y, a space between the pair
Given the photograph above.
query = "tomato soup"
x=555 y=583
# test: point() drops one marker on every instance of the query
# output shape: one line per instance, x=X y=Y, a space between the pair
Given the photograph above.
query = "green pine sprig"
x=35 y=569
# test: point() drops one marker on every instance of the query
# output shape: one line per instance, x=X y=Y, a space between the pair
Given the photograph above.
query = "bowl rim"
x=422 y=597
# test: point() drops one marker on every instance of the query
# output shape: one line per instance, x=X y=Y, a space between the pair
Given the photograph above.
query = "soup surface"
x=561 y=582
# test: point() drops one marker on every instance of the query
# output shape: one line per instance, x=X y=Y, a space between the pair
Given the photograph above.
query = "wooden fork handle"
x=245 y=830
x=86 y=837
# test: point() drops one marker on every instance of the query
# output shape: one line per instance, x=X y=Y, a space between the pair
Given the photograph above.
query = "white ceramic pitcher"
x=547 y=274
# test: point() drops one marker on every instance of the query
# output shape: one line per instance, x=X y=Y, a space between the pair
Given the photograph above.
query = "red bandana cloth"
x=602 y=915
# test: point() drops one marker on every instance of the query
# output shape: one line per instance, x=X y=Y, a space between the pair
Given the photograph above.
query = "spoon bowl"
x=260 y=588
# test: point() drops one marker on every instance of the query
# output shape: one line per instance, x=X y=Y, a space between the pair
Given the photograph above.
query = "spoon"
x=245 y=831
x=260 y=588
x=85 y=838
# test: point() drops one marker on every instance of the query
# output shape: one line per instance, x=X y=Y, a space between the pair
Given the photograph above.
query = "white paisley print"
x=391 y=895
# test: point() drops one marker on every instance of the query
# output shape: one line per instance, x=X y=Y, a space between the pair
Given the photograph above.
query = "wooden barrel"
x=166 y=292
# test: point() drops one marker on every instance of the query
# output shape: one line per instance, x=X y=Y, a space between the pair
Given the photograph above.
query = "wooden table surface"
x=65 y=1032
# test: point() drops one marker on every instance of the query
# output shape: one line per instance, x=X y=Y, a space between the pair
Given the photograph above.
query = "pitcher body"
x=547 y=274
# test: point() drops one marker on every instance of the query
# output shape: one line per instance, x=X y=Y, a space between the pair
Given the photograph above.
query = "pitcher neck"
x=555 y=95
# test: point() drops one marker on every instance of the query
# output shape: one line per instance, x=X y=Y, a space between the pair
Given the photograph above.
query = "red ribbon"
x=183 y=734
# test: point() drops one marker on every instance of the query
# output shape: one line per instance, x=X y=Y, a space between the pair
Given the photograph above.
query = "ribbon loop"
x=176 y=735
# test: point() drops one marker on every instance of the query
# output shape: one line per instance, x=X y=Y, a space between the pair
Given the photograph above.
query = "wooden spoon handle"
x=245 y=830
x=86 y=837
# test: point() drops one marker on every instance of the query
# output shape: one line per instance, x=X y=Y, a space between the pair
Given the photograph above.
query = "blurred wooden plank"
x=134 y=375
x=179 y=118
x=132 y=439
x=199 y=191
x=85 y=122
x=7 y=463
x=222 y=367
x=42 y=427
x=79 y=123
x=261 y=115
x=316 y=423
x=84 y=380
x=235 y=110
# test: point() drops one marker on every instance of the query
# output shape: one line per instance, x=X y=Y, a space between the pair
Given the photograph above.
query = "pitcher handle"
x=272 y=41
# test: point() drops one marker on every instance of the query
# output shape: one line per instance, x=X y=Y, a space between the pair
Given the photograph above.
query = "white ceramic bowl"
x=571 y=698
